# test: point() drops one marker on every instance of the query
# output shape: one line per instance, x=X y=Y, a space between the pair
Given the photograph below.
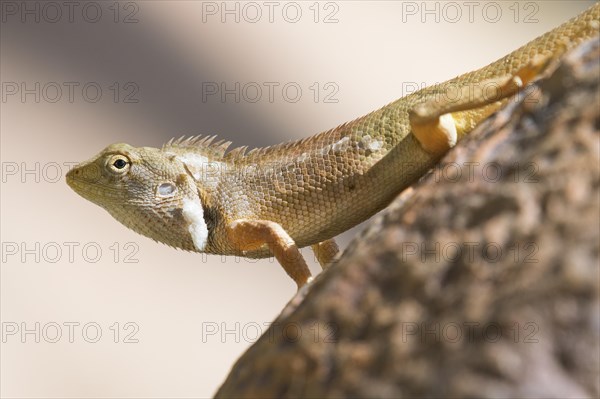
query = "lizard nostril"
x=72 y=173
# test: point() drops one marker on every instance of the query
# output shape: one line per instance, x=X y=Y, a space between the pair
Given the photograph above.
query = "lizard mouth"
x=76 y=181
x=71 y=178
x=84 y=179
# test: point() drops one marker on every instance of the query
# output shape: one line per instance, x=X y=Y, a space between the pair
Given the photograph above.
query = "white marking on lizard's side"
x=195 y=163
x=338 y=147
x=303 y=157
x=375 y=145
x=193 y=214
x=201 y=167
x=341 y=145
x=370 y=144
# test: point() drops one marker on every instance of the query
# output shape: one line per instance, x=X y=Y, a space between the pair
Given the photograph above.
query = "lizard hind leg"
x=325 y=251
x=248 y=235
x=438 y=122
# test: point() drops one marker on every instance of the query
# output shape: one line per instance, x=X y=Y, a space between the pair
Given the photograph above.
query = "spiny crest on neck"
x=217 y=150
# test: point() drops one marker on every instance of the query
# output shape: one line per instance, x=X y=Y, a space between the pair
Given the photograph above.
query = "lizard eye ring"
x=118 y=164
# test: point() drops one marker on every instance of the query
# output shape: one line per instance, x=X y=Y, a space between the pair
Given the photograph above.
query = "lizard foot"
x=438 y=122
x=325 y=251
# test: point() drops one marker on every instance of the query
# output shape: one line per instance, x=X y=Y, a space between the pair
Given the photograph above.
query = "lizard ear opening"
x=166 y=189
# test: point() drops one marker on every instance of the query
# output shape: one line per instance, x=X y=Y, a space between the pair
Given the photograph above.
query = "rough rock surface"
x=482 y=282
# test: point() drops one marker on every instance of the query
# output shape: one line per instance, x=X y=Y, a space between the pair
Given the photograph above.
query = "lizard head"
x=145 y=189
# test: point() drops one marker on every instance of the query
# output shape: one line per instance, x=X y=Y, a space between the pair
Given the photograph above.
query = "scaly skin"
x=314 y=188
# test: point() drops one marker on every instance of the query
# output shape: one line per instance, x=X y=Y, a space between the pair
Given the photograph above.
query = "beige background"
x=171 y=296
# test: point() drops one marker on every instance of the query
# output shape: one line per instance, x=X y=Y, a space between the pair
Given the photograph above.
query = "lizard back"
x=318 y=187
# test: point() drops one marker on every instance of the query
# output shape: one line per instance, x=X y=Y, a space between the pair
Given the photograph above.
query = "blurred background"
x=91 y=309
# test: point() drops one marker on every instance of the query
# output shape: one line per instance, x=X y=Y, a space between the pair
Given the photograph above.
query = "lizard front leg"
x=325 y=251
x=437 y=123
x=248 y=235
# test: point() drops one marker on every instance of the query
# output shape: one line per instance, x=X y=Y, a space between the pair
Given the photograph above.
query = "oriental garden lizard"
x=194 y=194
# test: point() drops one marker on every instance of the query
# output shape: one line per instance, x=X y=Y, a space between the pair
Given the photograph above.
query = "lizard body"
x=195 y=195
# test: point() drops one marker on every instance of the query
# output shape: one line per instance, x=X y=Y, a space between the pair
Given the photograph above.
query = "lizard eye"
x=118 y=164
